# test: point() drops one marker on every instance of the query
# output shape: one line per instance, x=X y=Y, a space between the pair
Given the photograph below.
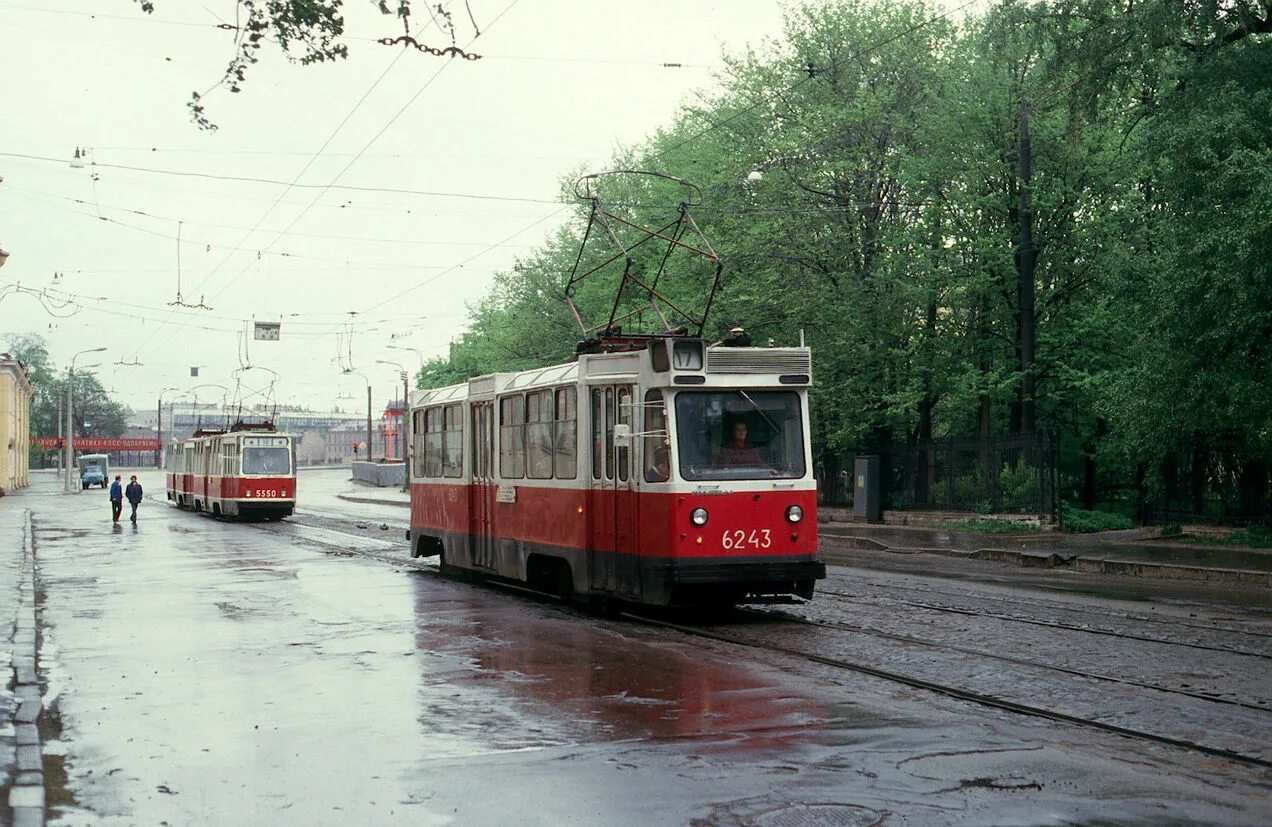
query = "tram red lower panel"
x=636 y=545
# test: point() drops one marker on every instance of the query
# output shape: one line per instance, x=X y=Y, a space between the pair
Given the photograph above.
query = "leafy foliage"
x=94 y=412
x=306 y=31
x=1079 y=521
x=1057 y=212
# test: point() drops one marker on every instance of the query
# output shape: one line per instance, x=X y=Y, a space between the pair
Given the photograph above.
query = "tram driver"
x=738 y=450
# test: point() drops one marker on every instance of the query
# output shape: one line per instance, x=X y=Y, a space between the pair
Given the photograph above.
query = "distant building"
x=340 y=441
x=16 y=391
x=391 y=430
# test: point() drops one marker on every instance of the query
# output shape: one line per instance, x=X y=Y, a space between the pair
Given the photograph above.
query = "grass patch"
x=1078 y=521
x=992 y=526
x=1254 y=536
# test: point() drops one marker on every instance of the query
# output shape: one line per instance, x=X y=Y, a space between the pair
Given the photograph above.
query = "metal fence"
x=1213 y=484
x=1015 y=474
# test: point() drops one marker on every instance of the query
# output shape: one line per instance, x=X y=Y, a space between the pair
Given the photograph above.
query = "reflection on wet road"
x=208 y=672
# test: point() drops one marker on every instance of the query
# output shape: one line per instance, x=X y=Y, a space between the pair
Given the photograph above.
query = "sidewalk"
x=21 y=761
x=1134 y=552
x=375 y=495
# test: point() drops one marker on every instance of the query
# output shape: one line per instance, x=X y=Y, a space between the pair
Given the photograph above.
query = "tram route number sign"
x=267 y=331
x=90 y=443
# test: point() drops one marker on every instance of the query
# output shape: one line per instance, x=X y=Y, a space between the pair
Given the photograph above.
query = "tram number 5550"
x=739 y=538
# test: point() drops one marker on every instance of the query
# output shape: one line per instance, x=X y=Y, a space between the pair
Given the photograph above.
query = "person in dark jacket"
x=116 y=499
x=133 y=493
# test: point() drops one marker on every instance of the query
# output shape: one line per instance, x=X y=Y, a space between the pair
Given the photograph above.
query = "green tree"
x=94 y=413
x=304 y=31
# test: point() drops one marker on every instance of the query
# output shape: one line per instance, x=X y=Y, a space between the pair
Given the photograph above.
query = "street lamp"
x=406 y=418
x=159 y=427
x=370 y=444
x=408 y=422
x=70 y=422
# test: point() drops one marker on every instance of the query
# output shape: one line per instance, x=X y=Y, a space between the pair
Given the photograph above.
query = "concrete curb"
x=373 y=501
x=26 y=796
x=1028 y=558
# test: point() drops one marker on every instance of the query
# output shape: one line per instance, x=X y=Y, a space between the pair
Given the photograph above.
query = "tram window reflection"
x=657 y=443
x=263 y=461
x=738 y=435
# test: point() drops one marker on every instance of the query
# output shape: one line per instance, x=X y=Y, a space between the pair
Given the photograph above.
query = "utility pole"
x=408 y=424
x=70 y=430
x=60 y=437
x=70 y=421
x=405 y=432
x=370 y=444
x=159 y=425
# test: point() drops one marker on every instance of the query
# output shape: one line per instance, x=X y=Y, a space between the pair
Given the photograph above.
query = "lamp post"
x=370 y=444
x=70 y=421
x=408 y=423
x=159 y=427
x=405 y=392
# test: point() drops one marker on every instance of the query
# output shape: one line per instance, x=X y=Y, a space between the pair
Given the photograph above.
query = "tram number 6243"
x=739 y=538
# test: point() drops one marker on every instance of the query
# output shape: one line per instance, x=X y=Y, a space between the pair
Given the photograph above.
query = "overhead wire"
x=296 y=179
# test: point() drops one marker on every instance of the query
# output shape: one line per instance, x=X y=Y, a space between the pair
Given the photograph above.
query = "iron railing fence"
x=1012 y=474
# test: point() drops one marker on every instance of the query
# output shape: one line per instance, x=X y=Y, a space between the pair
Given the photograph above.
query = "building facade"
x=16 y=391
x=341 y=439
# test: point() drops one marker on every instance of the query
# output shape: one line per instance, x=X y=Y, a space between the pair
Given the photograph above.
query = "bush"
x=992 y=526
x=1018 y=486
x=1084 y=522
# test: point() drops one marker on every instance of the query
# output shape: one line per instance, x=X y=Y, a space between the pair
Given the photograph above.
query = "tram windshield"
x=740 y=435
x=266 y=461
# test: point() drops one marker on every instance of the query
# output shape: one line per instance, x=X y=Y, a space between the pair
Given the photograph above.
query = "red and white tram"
x=661 y=471
x=248 y=471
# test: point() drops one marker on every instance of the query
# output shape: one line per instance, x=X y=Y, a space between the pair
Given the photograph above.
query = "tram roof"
x=790 y=366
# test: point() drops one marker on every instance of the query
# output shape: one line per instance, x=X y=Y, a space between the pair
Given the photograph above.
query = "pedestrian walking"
x=133 y=493
x=116 y=499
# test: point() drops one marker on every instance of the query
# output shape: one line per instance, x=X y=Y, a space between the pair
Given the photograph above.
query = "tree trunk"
x=1026 y=260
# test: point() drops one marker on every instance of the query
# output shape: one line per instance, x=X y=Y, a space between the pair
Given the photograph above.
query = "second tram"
x=247 y=471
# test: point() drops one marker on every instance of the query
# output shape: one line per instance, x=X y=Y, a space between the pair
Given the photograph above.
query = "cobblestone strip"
x=26 y=796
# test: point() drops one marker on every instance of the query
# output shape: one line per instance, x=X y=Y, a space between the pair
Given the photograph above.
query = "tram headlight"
x=794 y=514
x=698 y=516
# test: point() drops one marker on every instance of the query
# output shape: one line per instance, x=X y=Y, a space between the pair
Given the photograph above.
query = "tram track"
x=1033 y=603
x=1047 y=624
x=967 y=650
x=1011 y=618
x=947 y=690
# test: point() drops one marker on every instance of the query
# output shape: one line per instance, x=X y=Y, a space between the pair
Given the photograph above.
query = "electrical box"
x=867 y=490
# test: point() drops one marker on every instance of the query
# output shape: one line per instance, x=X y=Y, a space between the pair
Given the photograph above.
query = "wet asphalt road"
x=308 y=673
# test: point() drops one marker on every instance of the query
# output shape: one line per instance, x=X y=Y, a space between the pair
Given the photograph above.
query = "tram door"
x=482 y=491
x=614 y=565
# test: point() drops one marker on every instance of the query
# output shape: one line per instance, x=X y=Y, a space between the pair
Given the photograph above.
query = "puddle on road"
x=597 y=676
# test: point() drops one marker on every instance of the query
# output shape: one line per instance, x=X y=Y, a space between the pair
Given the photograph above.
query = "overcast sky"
x=561 y=84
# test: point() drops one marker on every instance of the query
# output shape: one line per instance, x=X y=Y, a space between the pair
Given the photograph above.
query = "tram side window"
x=433 y=439
x=539 y=435
x=609 y=433
x=512 y=437
x=566 y=437
x=418 y=435
x=657 y=443
x=453 y=441
x=623 y=455
x=598 y=440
